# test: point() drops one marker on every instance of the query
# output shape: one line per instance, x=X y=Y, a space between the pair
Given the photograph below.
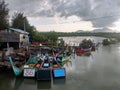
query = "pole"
x=24 y=24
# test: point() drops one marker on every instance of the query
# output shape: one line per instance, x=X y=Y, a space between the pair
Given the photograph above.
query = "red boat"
x=83 y=50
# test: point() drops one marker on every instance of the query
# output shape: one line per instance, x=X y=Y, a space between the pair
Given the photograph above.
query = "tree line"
x=97 y=34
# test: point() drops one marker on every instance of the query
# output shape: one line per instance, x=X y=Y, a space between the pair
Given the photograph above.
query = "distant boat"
x=83 y=50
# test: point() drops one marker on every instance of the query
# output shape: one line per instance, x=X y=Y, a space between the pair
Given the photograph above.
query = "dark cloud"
x=102 y=13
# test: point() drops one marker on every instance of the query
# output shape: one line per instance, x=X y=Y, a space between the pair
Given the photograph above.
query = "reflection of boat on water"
x=84 y=54
x=80 y=50
x=29 y=81
x=43 y=84
x=18 y=82
x=59 y=81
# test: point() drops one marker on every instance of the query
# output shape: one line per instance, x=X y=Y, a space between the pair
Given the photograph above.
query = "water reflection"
x=43 y=85
x=6 y=80
x=84 y=54
x=30 y=81
x=18 y=82
x=59 y=81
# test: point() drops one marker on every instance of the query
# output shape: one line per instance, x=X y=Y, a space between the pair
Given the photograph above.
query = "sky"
x=69 y=15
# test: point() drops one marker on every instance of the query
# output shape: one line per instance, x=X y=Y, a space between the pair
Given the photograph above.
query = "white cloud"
x=101 y=13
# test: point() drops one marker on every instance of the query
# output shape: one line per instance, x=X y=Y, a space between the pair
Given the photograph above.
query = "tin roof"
x=19 y=31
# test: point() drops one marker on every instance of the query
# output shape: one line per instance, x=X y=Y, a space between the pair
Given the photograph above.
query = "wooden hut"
x=15 y=38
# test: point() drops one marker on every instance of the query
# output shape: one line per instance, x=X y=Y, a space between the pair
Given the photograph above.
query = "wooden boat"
x=17 y=71
x=83 y=50
x=30 y=68
x=57 y=70
x=63 y=57
x=44 y=71
x=63 y=60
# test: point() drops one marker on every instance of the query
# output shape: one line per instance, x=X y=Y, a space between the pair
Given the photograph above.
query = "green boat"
x=16 y=70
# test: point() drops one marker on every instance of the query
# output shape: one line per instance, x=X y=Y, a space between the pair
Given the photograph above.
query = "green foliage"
x=52 y=37
x=105 y=42
x=20 y=21
x=38 y=37
x=86 y=42
x=99 y=34
x=4 y=23
x=61 y=43
x=31 y=30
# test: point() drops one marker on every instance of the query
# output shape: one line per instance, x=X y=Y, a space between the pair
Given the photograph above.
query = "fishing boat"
x=63 y=57
x=17 y=71
x=57 y=70
x=39 y=67
x=83 y=49
x=30 y=68
x=44 y=71
x=85 y=46
x=63 y=60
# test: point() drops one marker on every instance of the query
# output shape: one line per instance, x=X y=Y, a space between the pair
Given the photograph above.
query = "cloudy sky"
x=69 y=15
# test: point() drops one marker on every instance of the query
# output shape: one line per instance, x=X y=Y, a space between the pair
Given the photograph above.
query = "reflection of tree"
x=43 y=84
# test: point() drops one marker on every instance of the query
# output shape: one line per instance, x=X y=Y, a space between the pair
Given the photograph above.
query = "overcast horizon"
x=68 y=15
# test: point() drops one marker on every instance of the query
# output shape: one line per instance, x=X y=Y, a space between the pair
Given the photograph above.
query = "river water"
x=98 y=71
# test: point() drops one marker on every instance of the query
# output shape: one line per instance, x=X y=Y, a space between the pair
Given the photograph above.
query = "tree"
x=38 y=37
x=4 y=23
x=52 y=37
x=19 y=21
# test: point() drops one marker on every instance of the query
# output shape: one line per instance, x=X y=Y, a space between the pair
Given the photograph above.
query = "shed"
x=15 y=38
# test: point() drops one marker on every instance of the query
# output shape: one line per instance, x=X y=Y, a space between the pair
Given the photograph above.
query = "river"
x=98 y=71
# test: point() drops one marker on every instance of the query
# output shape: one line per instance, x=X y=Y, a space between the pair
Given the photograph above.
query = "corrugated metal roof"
x=19 y=30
